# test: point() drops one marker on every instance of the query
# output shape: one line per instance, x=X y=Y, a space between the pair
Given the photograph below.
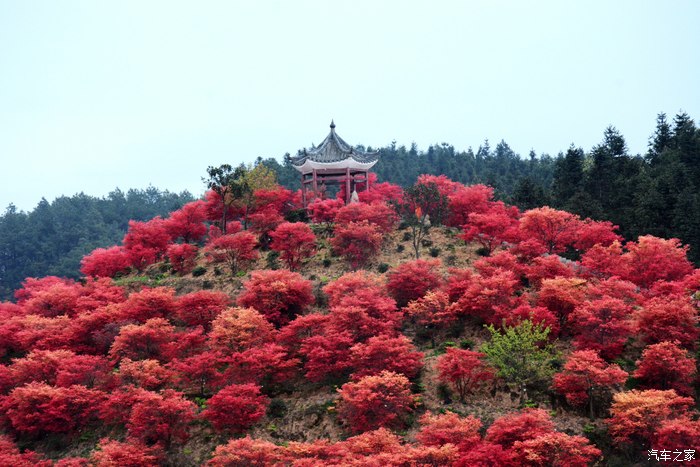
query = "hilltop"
x=289 y=337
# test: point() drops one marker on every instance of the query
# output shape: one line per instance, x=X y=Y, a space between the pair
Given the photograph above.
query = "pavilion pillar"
x=347 y=185
x=303 y=191
x=315 y=182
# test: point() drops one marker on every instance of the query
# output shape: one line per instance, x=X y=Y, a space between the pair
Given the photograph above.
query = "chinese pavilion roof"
x=333 y=153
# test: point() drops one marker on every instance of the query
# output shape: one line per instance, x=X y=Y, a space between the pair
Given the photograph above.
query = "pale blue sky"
x=99 y=94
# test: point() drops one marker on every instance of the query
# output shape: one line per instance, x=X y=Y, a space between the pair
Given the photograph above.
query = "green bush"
x=382 y=267
x=199 y=271
x=271 y=260
x=482 y=251
x=444 y=393
x=277 y=408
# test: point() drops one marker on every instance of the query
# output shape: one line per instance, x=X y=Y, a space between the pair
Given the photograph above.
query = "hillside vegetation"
x=427 y=325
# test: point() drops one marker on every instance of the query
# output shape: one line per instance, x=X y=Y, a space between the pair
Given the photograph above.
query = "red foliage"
x=327 y=355
x=280 y=295
x=413 y=279
x=144 y=341
x=57 y=299
x=160 y=418
x=445 y=186
x=603 y=325
x=464 y=201
x=483 y=296
x=246 y=452
x=116 y=409
x=86 y=370
x=36 y=332
x=637 y=414
x=278 y=198
x=668 y=319
x=465 y=370
x=547 y=267
x=677 y=434
x=38 y=408
x=646 y=261
x=145 y=242
x=358 y=242
x=61 y=368
x=493 y=227
x=38 y=365
x=591 y=233
x=352 y=283
x=362 y=323
x=667 y=366
x=129 y=453
x=236 y=250
x=11 y=457
x=187 y=223
x=615 y=288
x=197 y=373
x=237 y=329
x=519 y=426
x=295 y=241
x=147 y=374
x=263 y=364
x=31 y=286
x=201 y=307
x=377 y=214
x=219 y=208
x=438 y=430
x=383 y=352
x=95 y=331
x=651 y=259
x=486 y=455
x=535 y=314
x=300 y=328
x=586 y=376
x=605 y=260
x=182 y=257
x=555 y=449
x=324 y=211
x=562 y=295
x=106 y=262
x=431 y=309
x=458 y=282
x=503 y=260
x=264 y=221
x=359 y=306
x=381 y=400
x=97 y=293
x=380 y=192
x=159 y=302
x=553 y=229
x=236 y=407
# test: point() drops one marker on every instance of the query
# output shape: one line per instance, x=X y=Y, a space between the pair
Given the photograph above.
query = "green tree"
x=220 y=181
x=568 y=176
x=661 y=141
x=421 y=207
x=529 y=195
x=522 y=355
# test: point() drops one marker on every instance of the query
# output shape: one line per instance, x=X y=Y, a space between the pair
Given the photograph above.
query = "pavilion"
x=333 y=162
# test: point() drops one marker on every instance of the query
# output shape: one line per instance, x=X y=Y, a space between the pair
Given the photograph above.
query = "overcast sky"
x=100 y=94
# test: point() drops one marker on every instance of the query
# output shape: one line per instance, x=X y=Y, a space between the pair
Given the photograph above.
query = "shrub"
x=236 y=407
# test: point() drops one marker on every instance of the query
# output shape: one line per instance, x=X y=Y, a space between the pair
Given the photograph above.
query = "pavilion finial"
x=332 y=124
